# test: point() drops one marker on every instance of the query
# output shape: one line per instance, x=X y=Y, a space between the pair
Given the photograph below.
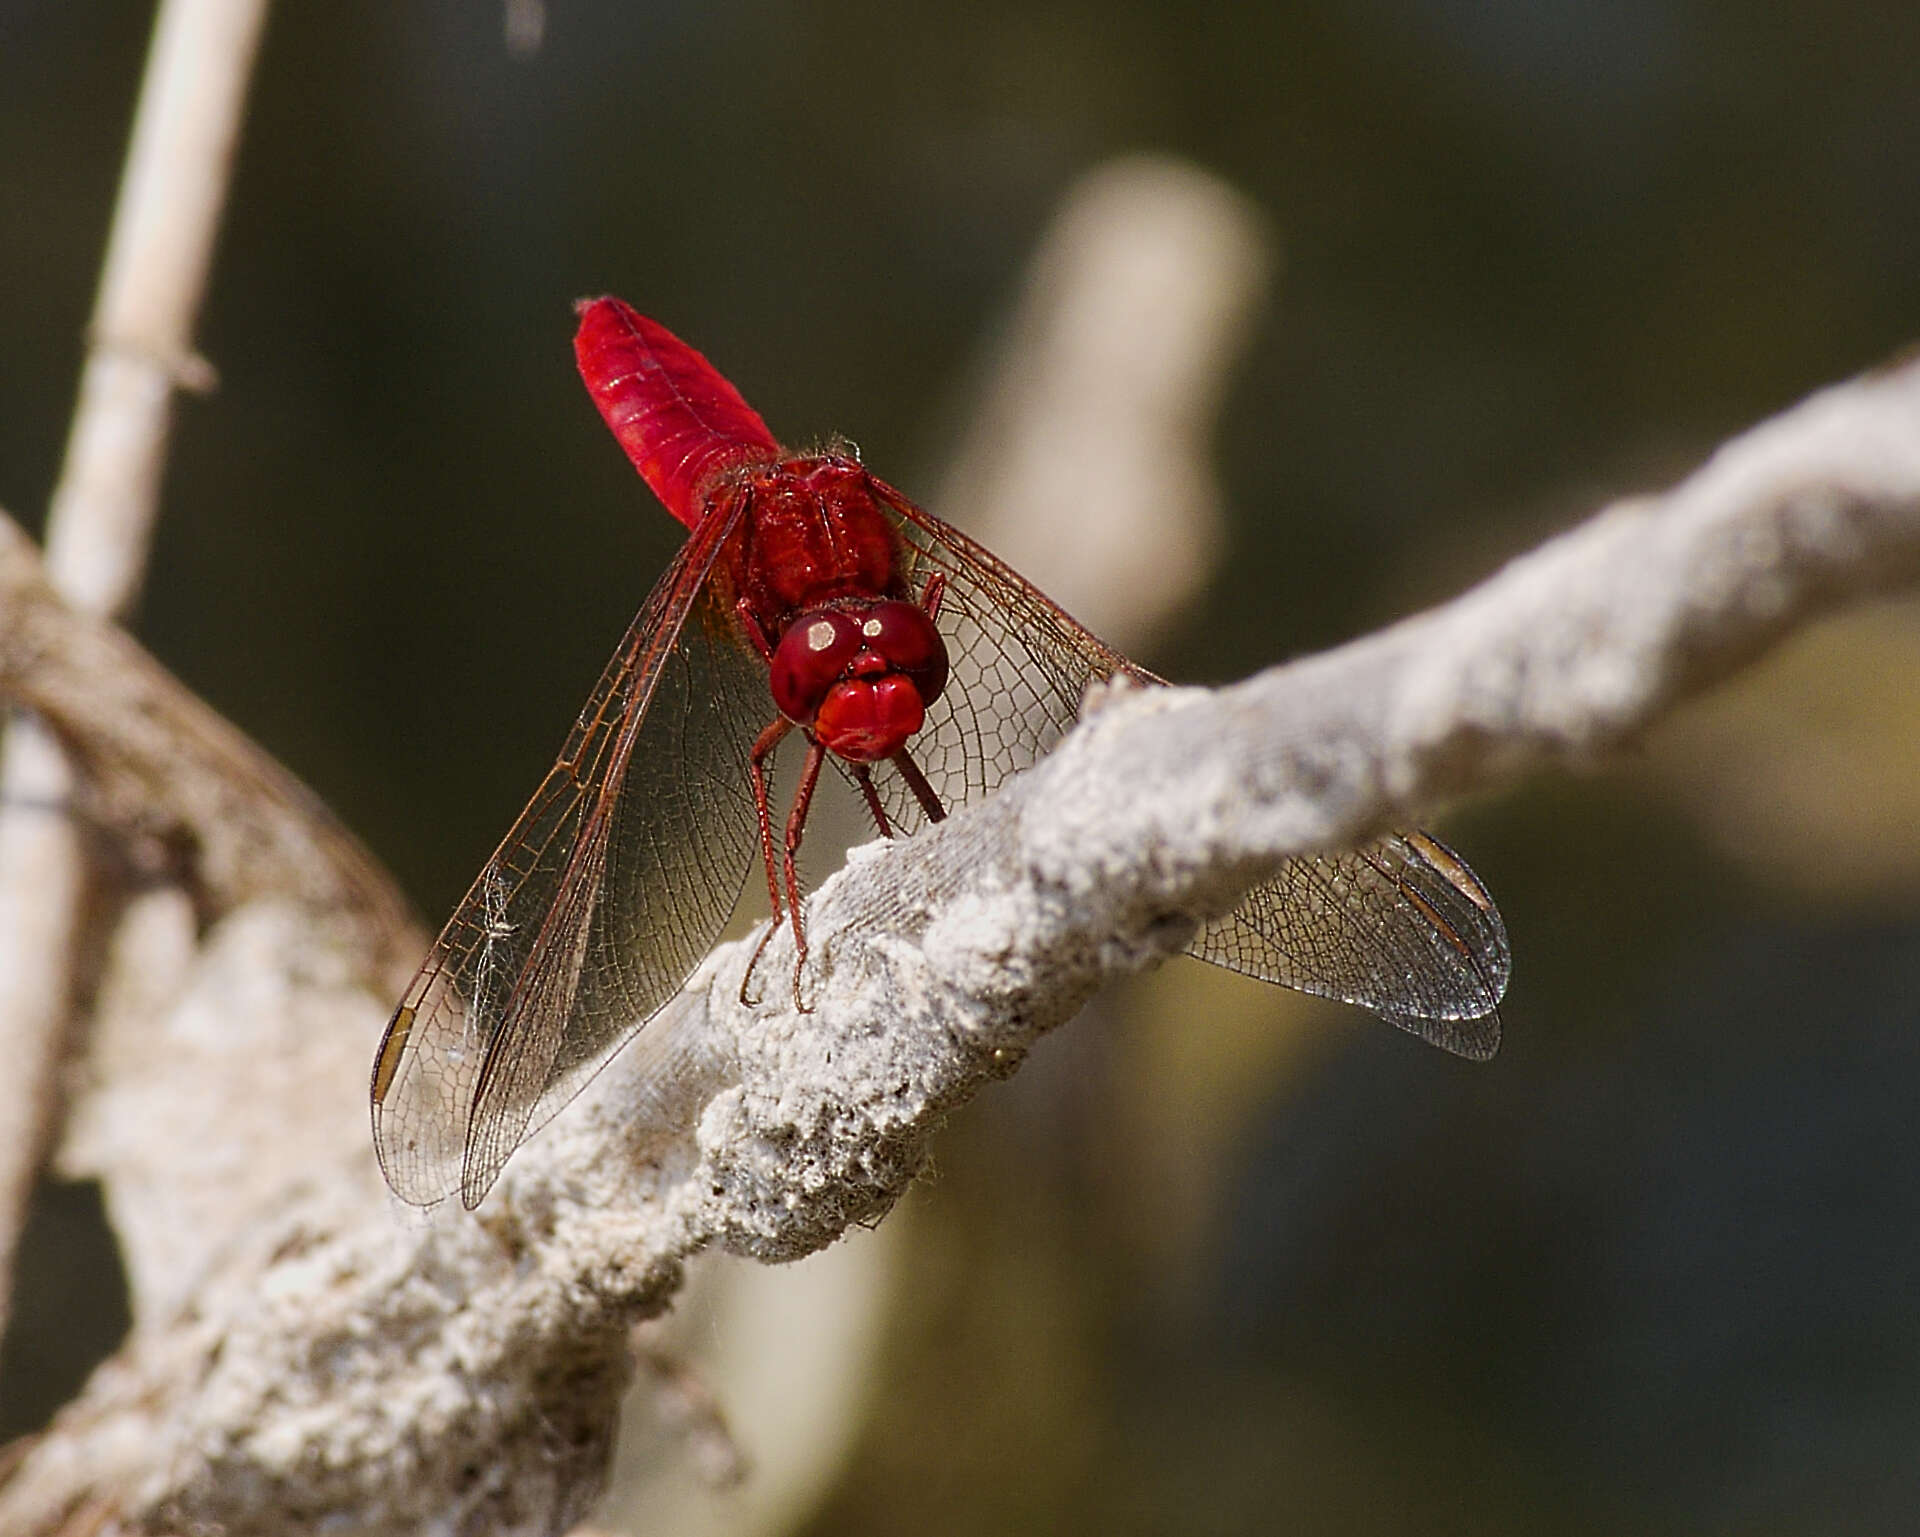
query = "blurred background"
x=1219 y=1259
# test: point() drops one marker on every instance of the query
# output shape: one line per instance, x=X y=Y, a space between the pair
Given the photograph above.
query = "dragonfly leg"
x=743 y=611
x=917 y=782
x=796 y=827
x=931 y=594
x=763 y=748
x=863 y=776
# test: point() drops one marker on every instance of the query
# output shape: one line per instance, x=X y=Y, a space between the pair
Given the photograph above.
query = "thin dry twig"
x=101 y=518
x=463 y=1371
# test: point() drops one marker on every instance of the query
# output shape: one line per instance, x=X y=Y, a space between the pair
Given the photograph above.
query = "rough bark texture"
x=326 y=1358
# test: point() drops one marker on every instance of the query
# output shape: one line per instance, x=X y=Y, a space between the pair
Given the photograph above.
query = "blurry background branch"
x=100 y=522
x=1089 y=463
x=333 y=1367
x=178 y=789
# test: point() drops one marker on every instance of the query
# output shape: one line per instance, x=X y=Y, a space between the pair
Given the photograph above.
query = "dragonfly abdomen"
x=681 y=423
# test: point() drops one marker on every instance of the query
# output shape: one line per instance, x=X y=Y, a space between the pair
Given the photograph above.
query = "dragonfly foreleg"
x=750 y=623
x=796 y=828
x=863 y=776
x=931 y=594
x=763 y=748
x=923 y=792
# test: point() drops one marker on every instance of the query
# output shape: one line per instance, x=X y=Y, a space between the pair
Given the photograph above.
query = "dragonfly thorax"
x=812 y=535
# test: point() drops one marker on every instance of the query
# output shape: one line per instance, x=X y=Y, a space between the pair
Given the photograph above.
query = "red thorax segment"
x=861 y=676
x=813 y=536
x=683 y=426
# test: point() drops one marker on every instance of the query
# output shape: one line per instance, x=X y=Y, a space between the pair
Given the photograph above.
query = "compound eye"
x=812 y=654
x=904 y=635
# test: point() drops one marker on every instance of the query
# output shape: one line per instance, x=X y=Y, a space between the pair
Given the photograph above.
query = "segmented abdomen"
x=680 y=422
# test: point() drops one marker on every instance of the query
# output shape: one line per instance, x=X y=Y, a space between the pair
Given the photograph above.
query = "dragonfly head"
x=861 y=676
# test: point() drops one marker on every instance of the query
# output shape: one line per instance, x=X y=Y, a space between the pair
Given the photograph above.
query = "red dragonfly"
x=810 y=598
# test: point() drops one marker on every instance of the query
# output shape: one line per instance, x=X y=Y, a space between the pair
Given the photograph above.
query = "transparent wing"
x=1401 y=927
x=608 y=891
x=1018 y=667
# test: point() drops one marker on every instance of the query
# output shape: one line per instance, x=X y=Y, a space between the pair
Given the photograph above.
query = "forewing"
x=1019 y=667
x=1401 y=926
x=607 y=892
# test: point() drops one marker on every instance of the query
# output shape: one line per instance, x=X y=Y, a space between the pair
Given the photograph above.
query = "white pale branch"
x=101 y=520
x=1105 y=391
x=342 y=1364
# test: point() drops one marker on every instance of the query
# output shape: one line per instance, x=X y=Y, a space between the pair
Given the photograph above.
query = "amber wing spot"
x=1453 y=868
x=391 y=1050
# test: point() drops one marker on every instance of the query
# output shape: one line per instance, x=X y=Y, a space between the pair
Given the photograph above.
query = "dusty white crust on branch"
x=345 y=1363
